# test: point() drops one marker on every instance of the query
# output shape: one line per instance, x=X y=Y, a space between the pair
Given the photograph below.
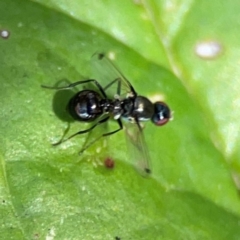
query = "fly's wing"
x=110 y=77
x=114 y=82
x=95 y=135
x=96 y=146
x=138 y=148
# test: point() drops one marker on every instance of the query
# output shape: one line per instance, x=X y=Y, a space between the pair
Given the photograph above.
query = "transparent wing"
x=114 y=82
x=138 y=148
x=110 y=77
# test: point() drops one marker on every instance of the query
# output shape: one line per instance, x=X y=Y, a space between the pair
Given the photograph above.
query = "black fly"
x=90 y=105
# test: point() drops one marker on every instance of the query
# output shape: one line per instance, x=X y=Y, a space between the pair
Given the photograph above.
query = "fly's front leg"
x=118 y=80
x=78 y=83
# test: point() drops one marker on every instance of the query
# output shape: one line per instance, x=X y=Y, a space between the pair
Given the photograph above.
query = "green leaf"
x=53 y=193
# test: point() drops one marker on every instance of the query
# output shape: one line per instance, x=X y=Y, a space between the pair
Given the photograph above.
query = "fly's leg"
x=103 y=135
x=118 y=87
x=77 y=83
x=81 y=132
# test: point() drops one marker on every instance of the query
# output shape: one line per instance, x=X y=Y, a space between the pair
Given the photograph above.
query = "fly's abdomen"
x=84 y=106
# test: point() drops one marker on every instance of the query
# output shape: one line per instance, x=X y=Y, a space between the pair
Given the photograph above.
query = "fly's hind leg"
x=103 y=135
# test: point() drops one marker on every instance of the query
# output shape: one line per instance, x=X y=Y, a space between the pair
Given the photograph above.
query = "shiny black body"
x=88 y=105
x=95 y=105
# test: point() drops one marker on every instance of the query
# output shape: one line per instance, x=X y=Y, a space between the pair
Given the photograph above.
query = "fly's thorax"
x=117 y=109
x=143 y=109
x=127 y=107
x=106 y=105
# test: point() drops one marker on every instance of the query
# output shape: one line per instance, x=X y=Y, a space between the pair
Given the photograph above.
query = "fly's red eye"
x=162 y=113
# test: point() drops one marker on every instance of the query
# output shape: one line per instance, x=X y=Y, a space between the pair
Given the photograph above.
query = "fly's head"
x=162 y=113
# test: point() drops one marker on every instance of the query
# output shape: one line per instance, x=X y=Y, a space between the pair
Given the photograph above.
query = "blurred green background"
x=183 y=52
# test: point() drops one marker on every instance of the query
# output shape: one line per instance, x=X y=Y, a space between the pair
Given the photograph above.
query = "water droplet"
x=5 y=34
x=111 y=55
x=208 y=49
